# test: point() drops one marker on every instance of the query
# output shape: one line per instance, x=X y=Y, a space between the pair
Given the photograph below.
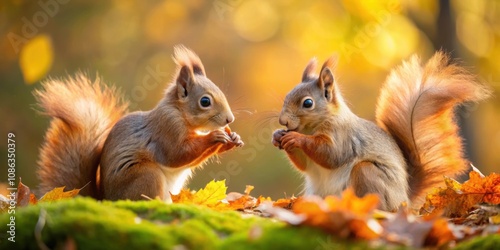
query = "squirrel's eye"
x=308 y=103
x=205 y=102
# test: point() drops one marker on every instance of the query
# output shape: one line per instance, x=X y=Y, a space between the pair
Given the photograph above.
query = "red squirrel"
x=91 y=143
x=414 y=143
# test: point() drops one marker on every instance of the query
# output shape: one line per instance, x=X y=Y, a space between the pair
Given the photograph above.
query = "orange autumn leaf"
x=456 y=200
x=261 y=199
x=239 y=201
x=348 y=216
x=350 y=202
x=184 y=196
x=439 y=234
x=447 y=200
x=33 y=199
x=59 y=194
x=489 y=186
x=285 y=203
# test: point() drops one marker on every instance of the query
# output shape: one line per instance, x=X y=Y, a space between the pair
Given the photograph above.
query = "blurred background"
x=255 y=50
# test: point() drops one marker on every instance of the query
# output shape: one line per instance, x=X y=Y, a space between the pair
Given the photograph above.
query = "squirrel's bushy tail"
x=83 y=113
x=416 y=106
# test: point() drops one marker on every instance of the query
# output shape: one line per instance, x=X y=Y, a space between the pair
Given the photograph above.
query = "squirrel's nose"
x=283 y=121
x=230 y=118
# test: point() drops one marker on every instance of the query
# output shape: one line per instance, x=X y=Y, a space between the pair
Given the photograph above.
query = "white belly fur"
x=175 y=179
x=323 y=182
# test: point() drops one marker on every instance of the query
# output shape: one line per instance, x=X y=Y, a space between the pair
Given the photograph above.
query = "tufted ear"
x=188 y=64
x=184 y=81
x=326 y=81
x=309 y=74
x=186 y=57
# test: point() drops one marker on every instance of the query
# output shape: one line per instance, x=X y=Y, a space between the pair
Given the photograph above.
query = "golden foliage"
x=36 y=58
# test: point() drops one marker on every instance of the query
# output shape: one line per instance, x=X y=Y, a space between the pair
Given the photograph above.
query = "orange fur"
x=415 y=143
x=150 y=152
x=416 y=106
x=83 y=113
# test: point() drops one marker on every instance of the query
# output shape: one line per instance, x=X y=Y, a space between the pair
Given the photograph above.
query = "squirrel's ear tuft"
x=309 y=74
x=186 y=57
x=331 y=62
x=326 y=81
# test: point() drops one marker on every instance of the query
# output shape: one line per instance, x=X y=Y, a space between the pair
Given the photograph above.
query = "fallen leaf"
x=184 y=196
x=59 y=194
x=4 y=204
x=495 y=219
x=348 y=216
x=211 y=196
x=239 y=201
x=285 y=203
x=457 y=200
x=24 y=195
x=248 y=189
x=213 y=193
x=440 y=234
x=488 y=186
x=268 y=210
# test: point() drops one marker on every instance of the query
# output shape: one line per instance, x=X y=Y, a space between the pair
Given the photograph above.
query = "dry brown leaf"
x=24 y=195
x=407 y=229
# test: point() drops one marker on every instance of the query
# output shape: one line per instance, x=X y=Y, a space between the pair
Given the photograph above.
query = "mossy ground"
x=154 y=225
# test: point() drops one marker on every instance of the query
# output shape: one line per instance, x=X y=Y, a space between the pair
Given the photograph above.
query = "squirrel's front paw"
x=219 y=136
x=277 y=137
x=236 y=139
x=291 y=140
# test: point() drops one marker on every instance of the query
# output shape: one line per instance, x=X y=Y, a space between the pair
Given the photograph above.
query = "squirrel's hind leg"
x=139 y=182
x=367 y=177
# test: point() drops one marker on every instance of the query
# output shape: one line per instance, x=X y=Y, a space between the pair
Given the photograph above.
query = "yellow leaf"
x=495 y=219
x=213 y=193
x=59 y=194
x=36 y=58
x=453 y=184
x=210 y=196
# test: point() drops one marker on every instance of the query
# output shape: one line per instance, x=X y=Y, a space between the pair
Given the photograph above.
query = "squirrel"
x=92 y=142
x=414 y=142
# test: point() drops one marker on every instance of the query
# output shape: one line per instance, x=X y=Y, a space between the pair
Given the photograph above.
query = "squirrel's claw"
x=236 y=139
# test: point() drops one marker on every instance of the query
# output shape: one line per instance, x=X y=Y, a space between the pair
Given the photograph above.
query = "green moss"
x=156 y=225
x=486 y=242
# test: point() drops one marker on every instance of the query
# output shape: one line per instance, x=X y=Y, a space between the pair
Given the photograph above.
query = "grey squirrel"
x=92 y=143
x=414 y=142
